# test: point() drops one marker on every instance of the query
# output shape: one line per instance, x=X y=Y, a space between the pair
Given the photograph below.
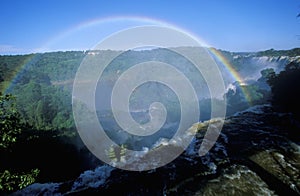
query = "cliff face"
x=257 y=153
x=249 y=66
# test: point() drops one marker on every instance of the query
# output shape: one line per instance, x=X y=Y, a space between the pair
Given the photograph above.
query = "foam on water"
x=47 y=189
x=92 y=178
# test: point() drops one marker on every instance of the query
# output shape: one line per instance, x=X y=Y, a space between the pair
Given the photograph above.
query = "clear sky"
x=234 y=25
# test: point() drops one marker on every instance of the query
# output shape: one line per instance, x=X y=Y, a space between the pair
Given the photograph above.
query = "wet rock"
x=236 y=180
x=282 y=166
x=257 y=153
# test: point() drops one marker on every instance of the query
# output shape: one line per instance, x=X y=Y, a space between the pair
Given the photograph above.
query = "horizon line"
x=89 y=50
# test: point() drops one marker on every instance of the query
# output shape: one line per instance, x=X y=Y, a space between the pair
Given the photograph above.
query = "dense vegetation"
x=28 y=154
x=10 y=66
x=285 y=89
x=38 y=139
x=10 y=130
x=30 y=78
x=37 y=121
x=291 y=53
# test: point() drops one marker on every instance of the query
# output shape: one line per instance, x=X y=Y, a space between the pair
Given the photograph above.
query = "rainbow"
x=235 y=75
x=109 y=26
x=130 y=21
x=5 y=86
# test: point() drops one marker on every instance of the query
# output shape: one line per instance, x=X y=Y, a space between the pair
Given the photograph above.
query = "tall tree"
x=10 y=128
x=10 y=125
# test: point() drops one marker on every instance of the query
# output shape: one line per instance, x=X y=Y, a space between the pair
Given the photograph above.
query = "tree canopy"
x=10 y=129
x=285 y=89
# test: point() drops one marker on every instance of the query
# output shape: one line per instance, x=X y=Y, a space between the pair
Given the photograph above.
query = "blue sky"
x=28 y=26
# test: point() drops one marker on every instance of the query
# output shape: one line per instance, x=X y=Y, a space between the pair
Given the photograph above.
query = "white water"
x=47 y=189
x=92 y=178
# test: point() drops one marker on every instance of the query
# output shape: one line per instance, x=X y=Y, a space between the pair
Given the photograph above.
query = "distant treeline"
x=291 y=53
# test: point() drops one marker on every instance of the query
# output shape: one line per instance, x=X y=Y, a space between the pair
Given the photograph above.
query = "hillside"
x=261 y=126
x=49 y=76
x=61 y=67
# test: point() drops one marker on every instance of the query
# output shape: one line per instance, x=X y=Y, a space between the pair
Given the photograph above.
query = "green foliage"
x=267 y=73
x=10 y=125
x=285 y=90
x=44 y=106
x=11 y=182
x=244 y=96
x=9 y=67
x=10 y=129
x=291 y=53
x=253 y=93
x=59 y=66
x=16 y=172
x=41 y=104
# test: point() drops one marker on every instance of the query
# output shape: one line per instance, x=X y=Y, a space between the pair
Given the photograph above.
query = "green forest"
x=36 y=119
x=36 y=113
